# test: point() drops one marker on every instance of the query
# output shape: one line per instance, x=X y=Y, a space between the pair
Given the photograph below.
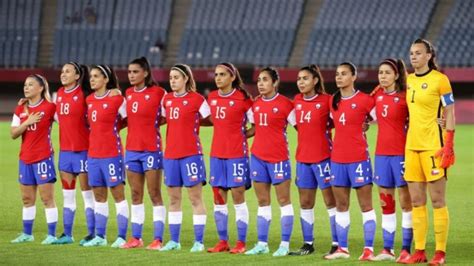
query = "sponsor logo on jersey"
x=424 y=86
x=214 y=102
x=318 y=106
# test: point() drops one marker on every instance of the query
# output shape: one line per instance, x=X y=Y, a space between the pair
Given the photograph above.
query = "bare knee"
x=306 y=203
x=48 y=200
x=137 y=196
x=28 y=200
x=155 y=197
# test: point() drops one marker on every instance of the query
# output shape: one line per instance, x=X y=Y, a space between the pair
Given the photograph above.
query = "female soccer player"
x=71 y=110
x=230 y=111
x=183 y=160
x=313 y=153
x=270 y=163
x=144 y=158
x=32 y=121
x=350 y=161
x=427 y=153
x=392 y=118
x=106 y=114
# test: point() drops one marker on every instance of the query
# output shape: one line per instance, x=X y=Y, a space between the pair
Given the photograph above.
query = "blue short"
x=270 y=173
x=313 y=175
x=389 y=171
x=73 y=162
x=38 y=173
x=230 y=173
x=188 y=171
x=351 y=174
x=106 y=172
x=140 y=162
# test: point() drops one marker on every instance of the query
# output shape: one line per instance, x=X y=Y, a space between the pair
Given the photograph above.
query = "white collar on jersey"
x=180 y=95
x=311 y=98
x=103 y=96
x=226 y=95
x=140 y=90
x=390 y=93
x=36 y=104
x=71 y=90
x=350 y=97
x=270 y=99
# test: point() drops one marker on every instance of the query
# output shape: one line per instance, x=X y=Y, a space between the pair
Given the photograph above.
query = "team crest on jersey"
x=60 y=98
x=104 y=106
x=147 y=97
x=424 y=86
x=318 y=106
x=231 y=103
x=89 y=106
x=214 y=102
x=185 y=102
x=434 y=172
x=396 y=99
x=257 y=108
x=299 y=106
x=168 y=103
x=129 y=97
x=275 y=110
x=380 y=98
x=353 y=106
x=74 y=98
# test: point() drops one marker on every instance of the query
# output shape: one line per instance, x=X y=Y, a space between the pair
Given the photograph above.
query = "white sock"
x=69 y=199
x=138 y=213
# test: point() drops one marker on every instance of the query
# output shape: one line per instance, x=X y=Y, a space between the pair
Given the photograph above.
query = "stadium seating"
x=243 y=32
x=364 y=32
x=455 y=44
x=110 y=31
x=19 y=30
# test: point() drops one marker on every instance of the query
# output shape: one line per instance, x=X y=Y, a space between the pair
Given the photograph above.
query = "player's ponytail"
x=316 y=72
x=145 y=65
x=431 y=50
x=84 y=80
x=336 y=99
x=237 y=83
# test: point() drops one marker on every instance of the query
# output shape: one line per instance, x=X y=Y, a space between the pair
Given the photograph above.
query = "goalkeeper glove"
x=447 y=152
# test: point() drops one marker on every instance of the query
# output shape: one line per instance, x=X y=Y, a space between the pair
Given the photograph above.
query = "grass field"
x=459 y=196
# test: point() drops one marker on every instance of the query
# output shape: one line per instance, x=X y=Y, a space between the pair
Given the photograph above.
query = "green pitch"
x=460 y=193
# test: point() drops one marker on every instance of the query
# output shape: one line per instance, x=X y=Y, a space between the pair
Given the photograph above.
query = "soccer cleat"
x=171 y=245
x=239 y=248
x=306 y=249
x=338 y=254
x=438 y=259
x=49 y=240
x=367 y=255
x=385 y=255
x=332 y=250
x=418 y=257
x=63 y=240
x=23 y=238
x=119 y=242
x=197 y=247
x=403 y=257
x=258 y=249
x=86 y=239
x=97 y=241
x=281 y=252
x=221 y=246
x=133 y=243
x=155 y=245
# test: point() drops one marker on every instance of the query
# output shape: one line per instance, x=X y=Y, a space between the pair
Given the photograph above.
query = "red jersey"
x=104 y=114
x=271 y=118
x=183 y=113
x=71 y=110
x=312 y=120
x=36 y=139
x=350 y=143
x=143 y=121
x=230 y=114
x=392 y=118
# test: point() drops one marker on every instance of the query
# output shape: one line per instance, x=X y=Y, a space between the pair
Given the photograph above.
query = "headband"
x=392 y=63
x=40 y=79
x=76 y=66
x=230 y=69
x=176 y=67
x=103 y=71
